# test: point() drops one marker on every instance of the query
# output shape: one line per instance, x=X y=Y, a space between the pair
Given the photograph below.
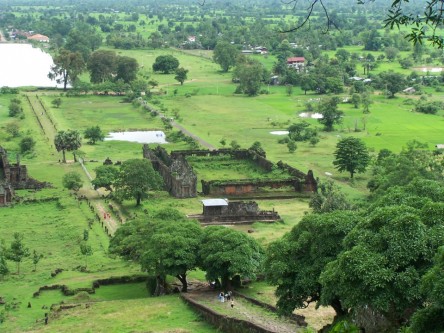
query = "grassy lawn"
x=53 y=229
x=227 y=168
x=166 y=314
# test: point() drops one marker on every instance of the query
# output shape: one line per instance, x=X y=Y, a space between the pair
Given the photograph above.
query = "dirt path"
x=195 y=137
x=244 y=310
x=42 y=117
x=106 y=216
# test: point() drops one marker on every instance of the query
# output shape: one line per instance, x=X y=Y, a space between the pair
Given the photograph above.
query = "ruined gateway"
x=14 y=176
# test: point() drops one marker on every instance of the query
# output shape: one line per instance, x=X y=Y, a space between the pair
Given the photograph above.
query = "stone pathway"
x=244 y=310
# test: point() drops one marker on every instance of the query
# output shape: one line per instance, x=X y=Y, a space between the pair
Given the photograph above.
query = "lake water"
x=138 y=136
x=23 y=65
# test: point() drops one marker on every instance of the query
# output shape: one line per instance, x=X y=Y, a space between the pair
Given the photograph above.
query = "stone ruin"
x=179 y=177
x=14 y=177
x=223 y=211
x=181 y=181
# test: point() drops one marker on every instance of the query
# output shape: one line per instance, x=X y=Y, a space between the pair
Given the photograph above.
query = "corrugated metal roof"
x=215 y=202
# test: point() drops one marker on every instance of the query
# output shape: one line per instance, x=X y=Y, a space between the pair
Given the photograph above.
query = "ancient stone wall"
x=182 y=181
x=14 y=177
x=247 y=186
x=237 y=212
x=178 y=176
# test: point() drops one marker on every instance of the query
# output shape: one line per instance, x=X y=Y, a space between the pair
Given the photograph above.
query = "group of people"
x=226 y=297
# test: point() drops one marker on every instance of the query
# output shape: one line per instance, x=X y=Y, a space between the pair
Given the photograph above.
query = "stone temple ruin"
x=178 y=175
x=181 y=181
x=223 y=211
x=14 y=177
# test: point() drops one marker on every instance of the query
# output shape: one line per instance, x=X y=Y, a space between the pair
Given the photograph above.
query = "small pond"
x=279 y=132
x=138 y=136
x=313 y=115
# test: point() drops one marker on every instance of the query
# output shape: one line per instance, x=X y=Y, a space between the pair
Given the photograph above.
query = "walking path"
x=43 y=118
x=244 y=310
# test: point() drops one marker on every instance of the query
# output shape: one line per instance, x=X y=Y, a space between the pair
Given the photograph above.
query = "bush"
x=72 y=181
x=15 y=109
x=13 y=129
x=8 y=90
x=291 y=145
x=428 y=108
x=27 y=144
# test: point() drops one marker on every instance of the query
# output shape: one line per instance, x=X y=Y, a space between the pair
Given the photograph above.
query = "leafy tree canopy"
x=351 y=155
x=165 y=64
x=225 y=54
x=94 y=134
x=225 y=253
x=136 y=178
x=295 y=262
x=167 y=244
x=106 y=175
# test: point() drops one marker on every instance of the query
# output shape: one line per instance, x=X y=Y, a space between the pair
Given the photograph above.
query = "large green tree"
x=136 y=178
x=181 y=75
x=225 y=253
x=331 y=115
x=69 y=140
x=94 y=134
x=165 y=64
x=165 y=244
x=67 y=67
x=127 y=69
x=225 y=54
x=380 y=270
x=351 y=155
x=250 y=73
x=106 y=175
x=295 y=262
x=102 y=66
x=394 y=82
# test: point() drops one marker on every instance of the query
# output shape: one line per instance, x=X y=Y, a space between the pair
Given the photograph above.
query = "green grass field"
x=227 y=168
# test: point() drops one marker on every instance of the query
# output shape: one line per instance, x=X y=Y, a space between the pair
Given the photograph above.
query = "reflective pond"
x=138 y=136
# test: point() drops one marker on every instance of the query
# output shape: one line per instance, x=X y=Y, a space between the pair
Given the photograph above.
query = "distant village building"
x=409 y=90
x=297 y=63
x=260 y=50
x=39 y=38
